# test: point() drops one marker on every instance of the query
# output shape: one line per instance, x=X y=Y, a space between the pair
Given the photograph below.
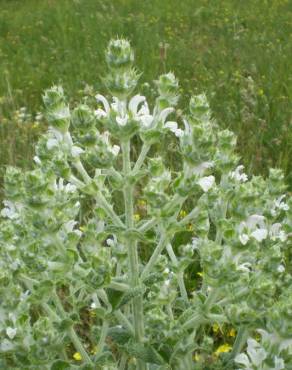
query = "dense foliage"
x=99 y=244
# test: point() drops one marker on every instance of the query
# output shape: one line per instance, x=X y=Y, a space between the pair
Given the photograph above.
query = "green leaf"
x=61 y=365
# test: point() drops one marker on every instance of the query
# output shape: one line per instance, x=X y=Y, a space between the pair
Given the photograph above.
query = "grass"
x=238 y=52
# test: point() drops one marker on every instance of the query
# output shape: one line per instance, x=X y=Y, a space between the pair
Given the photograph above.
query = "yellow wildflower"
x=142 y=203
x=92 y=313
x=190 y=227
x=223 y=349
x=232 y=332
x=77 y=356
x=94 y=350
x=137 y=217
x=200 y=274
x=197 y=357
x=216 y=328
x=182 y=213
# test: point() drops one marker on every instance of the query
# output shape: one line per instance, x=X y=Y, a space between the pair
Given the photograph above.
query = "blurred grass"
x=238 y=52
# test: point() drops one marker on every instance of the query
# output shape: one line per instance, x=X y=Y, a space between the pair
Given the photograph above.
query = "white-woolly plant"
x=101 y=242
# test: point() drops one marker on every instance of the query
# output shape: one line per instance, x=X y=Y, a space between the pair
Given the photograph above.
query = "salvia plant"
x=116 y=256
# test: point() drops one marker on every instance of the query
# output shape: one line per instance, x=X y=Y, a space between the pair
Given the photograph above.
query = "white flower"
x=173 y=128
x=68 y=188
x=244 y=267
x=122 y=121
x=11 y=332
x=52 y=143
x=279 y=205
x=238 y=175
x=201 y=168
x=260 y=234
x=206 y=183
x=11 y=210
x=255 y=220
x=115 y=150
x=69 y=226
x=276 y=232
x=254 y=227
x=93 y=305
x=280 y=269
x=244 y=238
x=101 y=113
x=37 y=160
x=76 y=151
x=164 y=113
x=134 y=103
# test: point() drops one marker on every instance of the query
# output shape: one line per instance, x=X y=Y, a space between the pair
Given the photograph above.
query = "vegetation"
x=114 y=256
x=239 y=53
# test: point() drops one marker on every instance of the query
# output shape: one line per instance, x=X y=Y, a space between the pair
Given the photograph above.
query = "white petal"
x=146 y=120
x=51 y=143
x=260 y=234
x=166 y=112
x=280 y=269
x=104 y=101
x=115 y=150
x=11 y=332
x=254 y=220
x=179 y=132
x=244 y=238
x=70 y=188
x=76 y=151
x=171 y=125
x=122 y=121
x=37 y=160
x=199 y=170
x=68 y=226
x=134 y=102
x=100 y=113
x=242 y=359
x=207 y=182
x=144 y=110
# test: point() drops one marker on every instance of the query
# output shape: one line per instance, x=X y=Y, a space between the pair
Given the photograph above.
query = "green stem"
x=119 y=286
x=141 y=158
x=103 y=335
x=212 y=297
x=79 y=167
x=147 y=226
x=194 y=213
x=71 y=332
x=153 y=259
x=132 y=251
x=109 y=210
x=193 y=323
x=239 y=342
x=180 y=276
x=124 y=321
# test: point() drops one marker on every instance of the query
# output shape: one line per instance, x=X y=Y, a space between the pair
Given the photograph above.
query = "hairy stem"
x=153 y=259
x=141 y=158
x=71 y=332
x=180 y=276
x=132 y=250
x=240 y=341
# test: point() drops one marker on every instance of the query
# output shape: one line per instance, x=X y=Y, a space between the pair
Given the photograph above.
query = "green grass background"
x=238 y=52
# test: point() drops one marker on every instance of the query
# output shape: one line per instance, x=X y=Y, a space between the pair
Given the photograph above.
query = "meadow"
x=239 y=53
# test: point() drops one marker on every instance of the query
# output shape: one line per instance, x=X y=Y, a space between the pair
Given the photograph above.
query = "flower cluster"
x=114 y=257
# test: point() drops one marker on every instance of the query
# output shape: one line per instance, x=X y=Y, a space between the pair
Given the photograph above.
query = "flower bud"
x=119 y=54
x=57 y=111
x=167 y=86
x=199 y=105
